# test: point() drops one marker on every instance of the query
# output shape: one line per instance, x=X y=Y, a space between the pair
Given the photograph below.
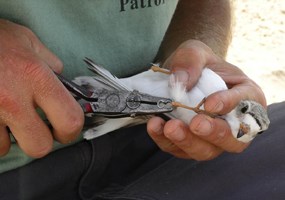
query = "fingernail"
x=219 y=106
x=177 y=135
x=204 y=128
x=158 y=130
x=180 y=77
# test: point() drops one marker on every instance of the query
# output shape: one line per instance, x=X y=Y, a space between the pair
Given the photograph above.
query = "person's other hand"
x=27 y=82
x=204 y=138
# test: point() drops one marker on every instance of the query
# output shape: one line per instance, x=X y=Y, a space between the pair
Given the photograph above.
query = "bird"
x=246 y=120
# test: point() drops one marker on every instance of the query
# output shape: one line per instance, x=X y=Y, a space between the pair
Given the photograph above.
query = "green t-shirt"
x=122 y=35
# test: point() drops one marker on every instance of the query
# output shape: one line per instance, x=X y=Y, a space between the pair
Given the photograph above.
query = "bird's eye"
x=244 y=109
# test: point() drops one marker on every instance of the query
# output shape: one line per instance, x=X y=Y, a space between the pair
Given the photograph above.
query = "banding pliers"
x=117 y=103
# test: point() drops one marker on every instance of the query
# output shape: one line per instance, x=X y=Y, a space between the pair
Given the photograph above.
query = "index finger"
x=218 y=133
x=61 y=109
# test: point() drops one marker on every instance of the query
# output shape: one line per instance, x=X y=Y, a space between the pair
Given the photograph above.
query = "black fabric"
x=48 y=178
x=126 y=164
x=130 y=154
x=82 y=170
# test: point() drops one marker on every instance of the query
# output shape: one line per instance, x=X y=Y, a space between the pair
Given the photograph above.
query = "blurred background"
x=258 y=45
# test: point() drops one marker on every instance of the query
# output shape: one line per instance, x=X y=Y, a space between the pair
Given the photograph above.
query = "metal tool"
x=117 y=103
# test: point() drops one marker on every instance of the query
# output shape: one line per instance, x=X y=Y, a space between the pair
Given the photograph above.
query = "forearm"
x=206 y=20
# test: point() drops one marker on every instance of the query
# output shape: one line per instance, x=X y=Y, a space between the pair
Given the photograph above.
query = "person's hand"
x=27 y=82
x=204 y=138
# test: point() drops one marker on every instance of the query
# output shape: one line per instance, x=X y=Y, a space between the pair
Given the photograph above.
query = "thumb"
x=190 y=57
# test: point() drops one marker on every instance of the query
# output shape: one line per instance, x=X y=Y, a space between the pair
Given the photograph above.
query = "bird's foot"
x=156 y=68
x=200 y=103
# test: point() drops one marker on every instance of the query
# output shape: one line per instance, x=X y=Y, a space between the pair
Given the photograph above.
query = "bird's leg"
x=201 y=103
x=196 y=109
x=156 y=68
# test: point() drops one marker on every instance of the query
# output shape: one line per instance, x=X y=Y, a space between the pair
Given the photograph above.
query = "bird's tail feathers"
x=105 y=77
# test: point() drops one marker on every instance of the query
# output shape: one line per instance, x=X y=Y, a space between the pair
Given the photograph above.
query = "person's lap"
x=118 y=166
x=257 y=173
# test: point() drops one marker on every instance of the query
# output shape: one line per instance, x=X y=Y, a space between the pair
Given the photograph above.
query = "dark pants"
x=126 y=164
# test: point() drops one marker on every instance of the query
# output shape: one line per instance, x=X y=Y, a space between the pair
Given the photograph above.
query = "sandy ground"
x=258 y=45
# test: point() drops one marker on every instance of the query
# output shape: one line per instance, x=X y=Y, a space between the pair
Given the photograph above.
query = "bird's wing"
x=102 y=78
x=149 y=82
x=210 y=82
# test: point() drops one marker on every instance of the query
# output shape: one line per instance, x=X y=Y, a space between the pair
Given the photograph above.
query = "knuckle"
x=71 y=127
x=7 y=58
x=182 y=155
x=180 y=52
x=76 y=123
x=5 y=99
x=33 y=69
x=32 y=143
x=208 y=155
x=4 y=148
x=181 y=57
x=28 y=36
x=168 y=148
x=258 y=93
x=58 y=64
x=219 y=138
x=24 y=29
x=4 y=151
x=239 y=148
x=9 y=103
x=28 y=33
x=238 y=151
x=195 y=48
x=39 y=152
x=38 y=77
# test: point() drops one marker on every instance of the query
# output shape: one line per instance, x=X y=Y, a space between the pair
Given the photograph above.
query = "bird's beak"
x=240 y=133
x=243 y=129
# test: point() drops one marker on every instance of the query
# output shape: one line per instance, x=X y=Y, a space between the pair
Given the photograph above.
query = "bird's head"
x=253 y=120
